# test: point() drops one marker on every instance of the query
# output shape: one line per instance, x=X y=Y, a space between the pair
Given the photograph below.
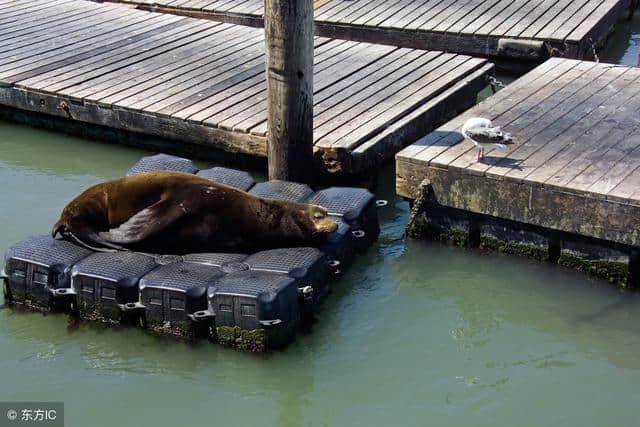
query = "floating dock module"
x=106 y=282
x=203 y=82
x=514 y=29
x=573 y=172
x=252 y=301
x=39 y=269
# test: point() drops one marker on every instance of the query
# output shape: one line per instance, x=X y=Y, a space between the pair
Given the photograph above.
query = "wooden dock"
x=203 y=82
x=575 y=164
x=526 y=29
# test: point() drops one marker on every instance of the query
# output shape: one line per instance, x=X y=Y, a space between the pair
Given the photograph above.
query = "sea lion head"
x=305 y=223
x=322 y=223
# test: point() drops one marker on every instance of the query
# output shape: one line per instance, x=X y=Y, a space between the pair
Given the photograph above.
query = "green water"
x=415 y=334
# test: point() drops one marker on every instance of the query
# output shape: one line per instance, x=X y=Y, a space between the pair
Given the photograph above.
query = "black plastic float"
x=251 y=301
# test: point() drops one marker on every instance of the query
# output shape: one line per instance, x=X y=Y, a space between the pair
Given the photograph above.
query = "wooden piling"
x=289 y=48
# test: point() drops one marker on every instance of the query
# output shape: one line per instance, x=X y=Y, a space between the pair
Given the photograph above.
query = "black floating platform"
x=250 y=301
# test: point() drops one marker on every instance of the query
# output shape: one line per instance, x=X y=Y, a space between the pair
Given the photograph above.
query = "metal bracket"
x=270 y=322
x=306 y=292
x=130 y=306
x=201 y=315
x=60 y=292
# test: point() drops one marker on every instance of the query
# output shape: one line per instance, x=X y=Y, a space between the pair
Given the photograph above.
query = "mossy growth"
x=176 y=328
x=421 y=229
x=616 y=273
x=540 y=253
x=254 y=340
x=98 y=312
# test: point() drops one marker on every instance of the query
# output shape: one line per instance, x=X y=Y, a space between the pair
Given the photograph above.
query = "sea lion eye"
x=318 y=215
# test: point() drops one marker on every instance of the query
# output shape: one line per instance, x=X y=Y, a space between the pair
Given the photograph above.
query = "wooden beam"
x=289 y=48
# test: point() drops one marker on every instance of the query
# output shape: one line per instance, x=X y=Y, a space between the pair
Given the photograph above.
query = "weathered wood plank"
x=80 y=71
x=575 y=166
x=392 y=107
x=119 y=60
x=141 y=88
x=570 y=144
x=56 y=58
x=203 y=82
x=555 y=111
x=445 y=142
x=439 y=24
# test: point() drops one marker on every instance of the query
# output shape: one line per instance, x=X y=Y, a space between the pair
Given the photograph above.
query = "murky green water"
x=415 y=334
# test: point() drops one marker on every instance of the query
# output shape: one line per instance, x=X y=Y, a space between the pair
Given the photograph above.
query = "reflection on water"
x=623 y=47
x=415 y=333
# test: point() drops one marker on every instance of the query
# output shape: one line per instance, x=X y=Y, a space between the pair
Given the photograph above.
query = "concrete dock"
x=203 y=82
x=571 y=183
x=532 y=29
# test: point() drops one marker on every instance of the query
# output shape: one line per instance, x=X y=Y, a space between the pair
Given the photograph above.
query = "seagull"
x=483 y=134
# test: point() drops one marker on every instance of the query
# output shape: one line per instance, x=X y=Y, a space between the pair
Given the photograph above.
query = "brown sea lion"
x=175 y=212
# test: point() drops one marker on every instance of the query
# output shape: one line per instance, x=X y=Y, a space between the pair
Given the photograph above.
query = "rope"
x=593 y=50
x=496 y=84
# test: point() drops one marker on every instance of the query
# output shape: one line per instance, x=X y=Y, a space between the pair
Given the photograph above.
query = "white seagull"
x=483 y=134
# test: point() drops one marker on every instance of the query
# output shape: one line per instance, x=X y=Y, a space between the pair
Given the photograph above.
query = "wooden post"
x=288 y=28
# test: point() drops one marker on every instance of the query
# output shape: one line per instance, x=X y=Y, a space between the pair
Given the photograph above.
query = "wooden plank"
x=214 y=104
x=540 y=110
x=254 y=116
x=331 y=11
x=551 y=27
x=545 y=132
x=57 y=57
x=610 y=132
x=17 y=12
x=80 y=68
x=207 y=84
x=412 y=11
x=541 y=8
x=340 y=15
x=474 y=19
x=632 y=181
x=588 y=19
x=230 y=107
x=626 y=165
x=374 y=11
x=166 y=77
x=569 y=144
x=457 y=17
x=161 y=86
x=434 y=13
x=627 y=189
x=398 y=8
x=390 y=110
x=331 y=112
x=26 y=36
x=549 y=15
x=600 y=161
x=445 y=141
x=112 y=21
x=574 y=143
x=421 y=121
x=513 y=20
x=489 y=27
x=117 y=59
x=37 y=15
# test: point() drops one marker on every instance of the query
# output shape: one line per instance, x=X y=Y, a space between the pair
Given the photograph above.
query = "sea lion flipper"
x=145 y=223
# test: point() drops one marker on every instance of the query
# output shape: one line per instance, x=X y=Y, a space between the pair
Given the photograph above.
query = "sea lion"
x=175 y=212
